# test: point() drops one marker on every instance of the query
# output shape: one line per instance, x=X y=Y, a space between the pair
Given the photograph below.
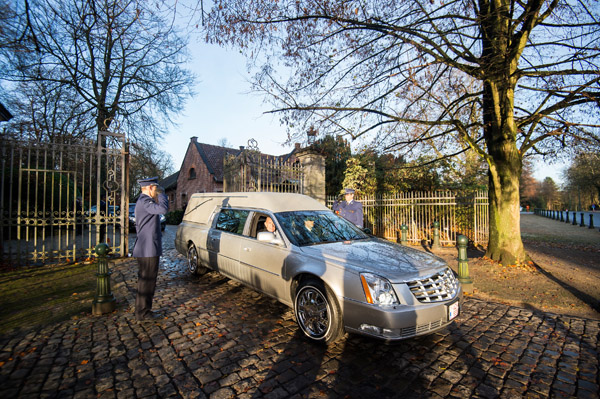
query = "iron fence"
x=457 y=213
x=57 y=201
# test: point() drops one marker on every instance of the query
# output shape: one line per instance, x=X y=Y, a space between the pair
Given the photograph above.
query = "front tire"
x=194 y=266
x=317 y=312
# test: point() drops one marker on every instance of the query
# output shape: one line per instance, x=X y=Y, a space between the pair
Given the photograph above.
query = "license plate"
x=453 y=310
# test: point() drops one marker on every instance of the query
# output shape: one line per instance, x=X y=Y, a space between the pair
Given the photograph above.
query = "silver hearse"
x=334 y=276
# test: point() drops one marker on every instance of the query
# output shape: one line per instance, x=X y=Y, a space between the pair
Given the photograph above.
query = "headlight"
x=378 y=290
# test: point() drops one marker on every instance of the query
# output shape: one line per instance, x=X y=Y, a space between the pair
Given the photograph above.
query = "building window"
x=192 y=174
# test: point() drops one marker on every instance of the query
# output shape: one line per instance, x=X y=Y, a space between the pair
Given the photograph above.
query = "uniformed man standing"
x=148 y=247
x=349 y=209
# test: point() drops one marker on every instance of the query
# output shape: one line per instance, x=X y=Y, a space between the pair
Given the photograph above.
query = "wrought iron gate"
x=251 y=170
x=57 y=201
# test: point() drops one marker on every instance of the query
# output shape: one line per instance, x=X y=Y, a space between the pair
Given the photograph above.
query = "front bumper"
x=401 y=321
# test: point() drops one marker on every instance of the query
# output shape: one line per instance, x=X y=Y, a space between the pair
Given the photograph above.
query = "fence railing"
x=458 y=213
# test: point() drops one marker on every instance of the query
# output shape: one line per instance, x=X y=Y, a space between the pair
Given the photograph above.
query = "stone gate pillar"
x=314 y=174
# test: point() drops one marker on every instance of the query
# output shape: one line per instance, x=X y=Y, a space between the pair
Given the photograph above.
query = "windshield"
x=315 y=227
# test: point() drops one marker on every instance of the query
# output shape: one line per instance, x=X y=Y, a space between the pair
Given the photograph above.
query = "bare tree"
x=49 y=113
x=583 y=179
x=147 y=161
x=504 y=78
x=122 y=59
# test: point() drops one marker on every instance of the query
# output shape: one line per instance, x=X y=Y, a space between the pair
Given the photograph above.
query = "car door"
x=223 y=241
x=262 y=263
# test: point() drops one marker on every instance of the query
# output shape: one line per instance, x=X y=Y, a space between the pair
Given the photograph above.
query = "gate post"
x=104 y=301
x=314 y=174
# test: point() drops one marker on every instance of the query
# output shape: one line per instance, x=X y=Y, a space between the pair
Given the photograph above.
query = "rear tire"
x=317 y=312
x=194 y=266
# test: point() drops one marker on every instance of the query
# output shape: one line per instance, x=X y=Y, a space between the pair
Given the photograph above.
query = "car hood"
x=395 y=262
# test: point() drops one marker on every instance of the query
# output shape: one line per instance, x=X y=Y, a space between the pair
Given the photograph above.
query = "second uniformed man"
x=349 y=209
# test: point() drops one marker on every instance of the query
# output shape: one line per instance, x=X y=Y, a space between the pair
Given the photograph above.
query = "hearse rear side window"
x=232 y=220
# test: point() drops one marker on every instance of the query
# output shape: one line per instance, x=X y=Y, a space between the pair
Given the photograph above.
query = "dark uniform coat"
x=147 y=225
x=352 y=211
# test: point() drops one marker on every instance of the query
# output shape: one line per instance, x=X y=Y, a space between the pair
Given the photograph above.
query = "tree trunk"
x=505 y=244
x=499 y=63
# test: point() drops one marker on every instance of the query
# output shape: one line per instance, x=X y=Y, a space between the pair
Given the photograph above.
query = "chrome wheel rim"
x=312 y=310
x=192 y=259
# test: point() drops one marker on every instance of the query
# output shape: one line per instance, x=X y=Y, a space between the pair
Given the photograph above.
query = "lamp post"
x=463 y=265
x=104 y=301
x=436 y=235
x=403 y=234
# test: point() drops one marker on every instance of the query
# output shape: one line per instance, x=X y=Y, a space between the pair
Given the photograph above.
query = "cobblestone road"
x=221 y=340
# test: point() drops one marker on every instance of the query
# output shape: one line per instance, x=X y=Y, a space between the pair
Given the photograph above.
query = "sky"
x=224 y=108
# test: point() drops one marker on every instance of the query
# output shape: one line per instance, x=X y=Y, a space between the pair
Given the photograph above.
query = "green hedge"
x=174 y=217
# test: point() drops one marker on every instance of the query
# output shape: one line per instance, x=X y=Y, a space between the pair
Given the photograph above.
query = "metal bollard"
x=581 y=224
x=567 y=217
x=591 y=226
x=104 y=301
x=403 y=234
x=574 y=218
x=463 y=264
x=562 y=218
x=436 y=235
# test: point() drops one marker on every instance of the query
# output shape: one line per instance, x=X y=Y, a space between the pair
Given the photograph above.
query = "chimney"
x=194 y=139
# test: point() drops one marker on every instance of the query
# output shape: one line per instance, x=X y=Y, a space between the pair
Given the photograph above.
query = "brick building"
x=202 y=171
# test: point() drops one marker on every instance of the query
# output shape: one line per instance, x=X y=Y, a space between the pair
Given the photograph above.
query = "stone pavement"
x=220 y=339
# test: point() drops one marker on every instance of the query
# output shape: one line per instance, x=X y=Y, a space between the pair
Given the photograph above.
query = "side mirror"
x=267 y=236
x=367 y=230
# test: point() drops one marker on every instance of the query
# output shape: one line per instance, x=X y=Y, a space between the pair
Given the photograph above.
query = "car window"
x=232 y=220
x=258 y=224
x=316 y=227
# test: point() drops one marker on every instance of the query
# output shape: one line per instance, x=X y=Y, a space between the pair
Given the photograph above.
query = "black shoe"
x=154 y=316
x=151 y=316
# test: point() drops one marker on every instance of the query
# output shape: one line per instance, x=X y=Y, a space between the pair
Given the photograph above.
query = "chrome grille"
x=436 y=288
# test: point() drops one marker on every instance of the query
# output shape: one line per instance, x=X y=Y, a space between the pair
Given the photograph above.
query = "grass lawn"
x=37 y=296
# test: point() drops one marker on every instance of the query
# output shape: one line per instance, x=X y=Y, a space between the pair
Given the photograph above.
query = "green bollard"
x=463 y=265
x=104 y=301
x=436 y=235
x=403 y=234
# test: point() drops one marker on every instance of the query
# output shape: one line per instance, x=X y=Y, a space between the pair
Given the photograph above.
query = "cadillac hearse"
x=336 y=277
